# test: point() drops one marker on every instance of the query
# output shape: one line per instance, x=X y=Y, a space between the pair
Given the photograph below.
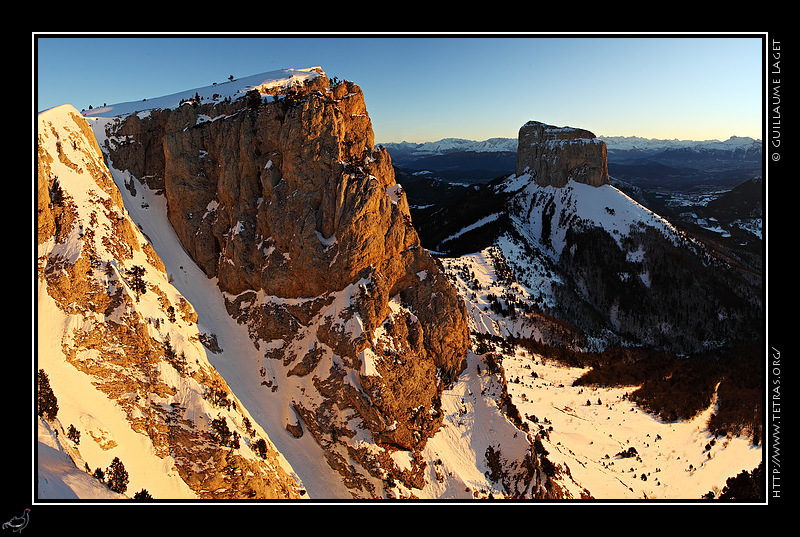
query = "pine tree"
x=260 y=447
x=74 y=434
x=47 y=403
x=117 y=476
x=220 y=427
x=137 y=282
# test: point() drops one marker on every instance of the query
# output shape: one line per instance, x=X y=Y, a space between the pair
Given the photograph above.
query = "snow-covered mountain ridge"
x=447 y=145
x=630 y=143
x=234 y=88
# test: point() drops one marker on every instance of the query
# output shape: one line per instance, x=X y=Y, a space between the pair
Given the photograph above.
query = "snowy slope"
x=80 y=403
x=231 y=89
x=575 y=205
x=473 y=424
x=96 y=417
x=57 y=473
x=588 y=427
x=105 y=426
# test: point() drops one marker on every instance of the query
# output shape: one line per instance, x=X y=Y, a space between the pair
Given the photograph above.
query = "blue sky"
x=423 y=88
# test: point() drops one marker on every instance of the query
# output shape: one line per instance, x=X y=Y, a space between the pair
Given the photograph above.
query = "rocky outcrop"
x=556 y=155
x=285 y=200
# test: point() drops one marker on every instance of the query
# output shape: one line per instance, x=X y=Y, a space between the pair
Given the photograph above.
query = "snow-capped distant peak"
x=632 y=143
x=451 y=145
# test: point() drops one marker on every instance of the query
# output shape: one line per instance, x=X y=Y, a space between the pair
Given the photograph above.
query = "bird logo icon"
x=18 y=523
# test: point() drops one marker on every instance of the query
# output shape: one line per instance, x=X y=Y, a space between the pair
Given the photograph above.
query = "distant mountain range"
x=643 y=162
x=404 y=150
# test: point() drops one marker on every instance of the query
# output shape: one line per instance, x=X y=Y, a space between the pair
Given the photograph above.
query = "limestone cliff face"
x=108 y=311
x=555 y=155
x=286 y=201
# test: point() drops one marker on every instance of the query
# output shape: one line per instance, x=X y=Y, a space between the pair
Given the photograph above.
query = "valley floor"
x=589 y=429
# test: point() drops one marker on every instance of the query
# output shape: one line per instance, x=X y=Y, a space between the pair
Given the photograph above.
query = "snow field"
x=473 y=422
x=591 y=426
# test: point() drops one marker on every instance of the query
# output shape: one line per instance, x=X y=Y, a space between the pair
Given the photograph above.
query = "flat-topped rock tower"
x=555 y=155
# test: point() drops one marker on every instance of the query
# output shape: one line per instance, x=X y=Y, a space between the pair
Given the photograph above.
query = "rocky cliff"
x=107 y=310
x=282 y=198
x=555 y=155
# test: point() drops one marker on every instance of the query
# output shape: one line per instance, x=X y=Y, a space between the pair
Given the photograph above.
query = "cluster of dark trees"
x=748 y=486
x=745 y=486
x=671 y=298
x=223 y=433
x=194 y=101
x=177 y=359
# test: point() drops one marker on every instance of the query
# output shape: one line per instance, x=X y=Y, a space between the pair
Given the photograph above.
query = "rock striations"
x=282 y=198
